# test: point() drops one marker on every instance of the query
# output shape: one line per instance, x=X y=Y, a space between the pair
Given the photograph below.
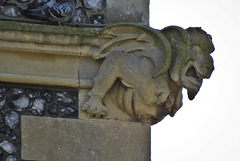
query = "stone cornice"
x=42 y=54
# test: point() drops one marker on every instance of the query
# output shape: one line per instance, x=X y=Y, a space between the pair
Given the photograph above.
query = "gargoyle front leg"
x=108 y=73
x=94 y=106
x=117 y=65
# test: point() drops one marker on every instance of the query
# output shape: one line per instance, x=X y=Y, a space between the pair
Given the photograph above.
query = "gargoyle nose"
x=209 y=67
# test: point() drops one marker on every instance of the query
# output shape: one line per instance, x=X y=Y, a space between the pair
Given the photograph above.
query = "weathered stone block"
x=59 y=139
x=135 y=11
x=38 y=68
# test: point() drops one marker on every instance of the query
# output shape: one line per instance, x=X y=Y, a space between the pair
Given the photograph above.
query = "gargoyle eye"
x=197 y=49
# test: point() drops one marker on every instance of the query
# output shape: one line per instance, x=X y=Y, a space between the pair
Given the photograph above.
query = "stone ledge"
x=85 y=30
x=61 y=139
x=49 y=55
x=43 y=54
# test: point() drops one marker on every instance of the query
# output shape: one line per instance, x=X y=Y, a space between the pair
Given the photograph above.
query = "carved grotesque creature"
x=144 y=70
x=191 y=61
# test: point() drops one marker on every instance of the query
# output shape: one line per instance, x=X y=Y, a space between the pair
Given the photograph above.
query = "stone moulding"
x=51 y=52
x=126 y=72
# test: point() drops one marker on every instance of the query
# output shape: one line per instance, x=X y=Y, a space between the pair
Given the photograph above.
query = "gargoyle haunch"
x=144 y=70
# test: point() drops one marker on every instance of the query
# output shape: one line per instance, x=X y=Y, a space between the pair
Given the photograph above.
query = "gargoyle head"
x=191 y=60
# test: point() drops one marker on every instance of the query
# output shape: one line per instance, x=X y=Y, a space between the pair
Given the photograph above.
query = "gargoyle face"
x=191 y=61
x=198 y=67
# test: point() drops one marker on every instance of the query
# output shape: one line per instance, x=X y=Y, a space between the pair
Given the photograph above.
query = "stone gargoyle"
x=143 y=71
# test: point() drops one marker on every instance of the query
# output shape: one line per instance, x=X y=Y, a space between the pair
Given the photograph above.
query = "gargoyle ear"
x=175 y=34
x=178 y=39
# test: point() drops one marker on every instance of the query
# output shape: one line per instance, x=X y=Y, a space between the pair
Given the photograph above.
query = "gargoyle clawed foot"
x=94 y=108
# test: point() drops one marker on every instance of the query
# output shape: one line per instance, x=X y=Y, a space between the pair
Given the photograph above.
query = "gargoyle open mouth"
x=193 y=81
x=191 y=72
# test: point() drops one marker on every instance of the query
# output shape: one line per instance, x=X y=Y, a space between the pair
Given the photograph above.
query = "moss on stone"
x=88 y=30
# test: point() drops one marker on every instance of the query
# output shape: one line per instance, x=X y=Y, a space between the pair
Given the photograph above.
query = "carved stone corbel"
x=143 y=71
x=123 y=72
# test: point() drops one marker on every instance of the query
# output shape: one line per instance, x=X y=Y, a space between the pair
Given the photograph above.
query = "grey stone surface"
x=135 y=11
x=59 y=139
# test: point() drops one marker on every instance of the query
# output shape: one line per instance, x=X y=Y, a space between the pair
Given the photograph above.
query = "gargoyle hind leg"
x=113 y=67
